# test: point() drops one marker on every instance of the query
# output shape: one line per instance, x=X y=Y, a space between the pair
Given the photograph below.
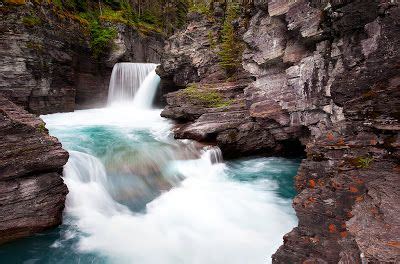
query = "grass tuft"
x=205 y=97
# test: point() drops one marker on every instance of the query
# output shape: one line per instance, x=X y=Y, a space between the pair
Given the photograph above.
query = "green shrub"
x=208 y=98
x=364 y=162
x=200 y=7
x=31 y=20
x=100 y=38
x=41 y=128
x=58 y=3
x=38 y=47
x=113 y=16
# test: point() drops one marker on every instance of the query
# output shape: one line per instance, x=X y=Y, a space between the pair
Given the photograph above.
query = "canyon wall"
x=47 y=65
x=322 y=74
x=32 y=193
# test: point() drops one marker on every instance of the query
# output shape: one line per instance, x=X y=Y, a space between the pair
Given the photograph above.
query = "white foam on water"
x=206 y=219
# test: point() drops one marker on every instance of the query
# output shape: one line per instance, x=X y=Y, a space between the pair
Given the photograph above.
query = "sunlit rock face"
x=324 y=73
x=31 y=189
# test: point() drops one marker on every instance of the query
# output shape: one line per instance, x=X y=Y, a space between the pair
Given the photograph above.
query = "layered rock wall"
x=47 y=65
x=326 y=74
x=32 y=192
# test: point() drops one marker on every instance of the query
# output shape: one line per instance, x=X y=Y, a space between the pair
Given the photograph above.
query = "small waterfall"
x=145 y=95
x=126 y=79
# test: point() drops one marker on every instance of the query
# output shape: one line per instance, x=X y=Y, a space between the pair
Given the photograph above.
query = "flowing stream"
x=137 y=195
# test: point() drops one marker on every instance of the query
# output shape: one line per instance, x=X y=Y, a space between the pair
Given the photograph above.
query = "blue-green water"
x=139 y=196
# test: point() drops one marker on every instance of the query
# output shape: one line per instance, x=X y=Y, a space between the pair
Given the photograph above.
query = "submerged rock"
x=31 y=188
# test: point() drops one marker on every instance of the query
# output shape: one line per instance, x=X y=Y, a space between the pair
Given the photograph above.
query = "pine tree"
x=231 y=48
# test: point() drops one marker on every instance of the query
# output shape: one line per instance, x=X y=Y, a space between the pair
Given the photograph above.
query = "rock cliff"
x=322 y=74
x=47 y=65
x=31 y=189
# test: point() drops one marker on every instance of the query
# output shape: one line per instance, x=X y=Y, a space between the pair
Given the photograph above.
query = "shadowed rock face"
x=325 y=73
x=49 y=67
x=32 y=192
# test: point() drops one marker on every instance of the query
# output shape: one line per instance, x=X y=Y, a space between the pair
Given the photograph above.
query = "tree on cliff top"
x=231 y=46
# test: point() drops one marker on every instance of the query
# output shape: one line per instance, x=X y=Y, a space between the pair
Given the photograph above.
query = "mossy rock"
x=31 y=21
x=15 y=2
x=206 y=97
x=362 y=162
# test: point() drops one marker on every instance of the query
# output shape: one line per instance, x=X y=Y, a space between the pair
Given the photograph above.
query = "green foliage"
x=75 y=5
x=182 y=9
x=41 y=128
x=364 y=162
x=231 y=46
x=111 y=15
x=208 y=98
x=147 y=16
x=100 y=38
x=31 y=20
x=58 y=3
x=200 y=7
x=38 y=47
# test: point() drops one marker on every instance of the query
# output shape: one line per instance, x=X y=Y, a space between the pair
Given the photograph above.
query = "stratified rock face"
x=191 y=56
x=188 y=56
x=333 y=68
x=326 y=73
x=47 y=66
x=32 y=192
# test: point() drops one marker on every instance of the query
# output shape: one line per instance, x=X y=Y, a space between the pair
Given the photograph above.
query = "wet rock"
x=32 y=190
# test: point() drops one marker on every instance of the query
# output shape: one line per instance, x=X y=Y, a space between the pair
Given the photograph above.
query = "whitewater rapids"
x=136 y=195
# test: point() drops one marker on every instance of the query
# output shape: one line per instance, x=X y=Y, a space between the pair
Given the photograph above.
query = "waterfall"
x=145 y=95
x=127 y=78
x=137 y=195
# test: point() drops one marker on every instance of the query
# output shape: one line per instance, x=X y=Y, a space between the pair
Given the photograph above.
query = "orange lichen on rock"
x=16 y=2
x=330 y=136
x=341 y=142
x=311 y=183
x=312 y=199
x=358 y=181
x=394 y=244
x=359 y=199
x=353 y=189
x=343 y=234
x=320 y=182
x=332 y=228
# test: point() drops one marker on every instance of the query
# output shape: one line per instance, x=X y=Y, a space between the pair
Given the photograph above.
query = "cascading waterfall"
x=137 y=195
x=148 y=88
x=126 y=79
